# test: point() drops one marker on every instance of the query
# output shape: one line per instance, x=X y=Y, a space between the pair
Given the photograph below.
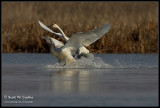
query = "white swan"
x=78 y=40
x=82 y=52
x=56 y=50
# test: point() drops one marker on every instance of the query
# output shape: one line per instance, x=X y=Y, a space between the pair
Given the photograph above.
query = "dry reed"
x=134 y=25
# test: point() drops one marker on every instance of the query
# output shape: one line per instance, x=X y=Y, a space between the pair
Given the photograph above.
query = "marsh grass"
x=134 y=26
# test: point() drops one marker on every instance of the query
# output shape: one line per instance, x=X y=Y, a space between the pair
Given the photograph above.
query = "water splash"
x=95 y=62
x=118 y=64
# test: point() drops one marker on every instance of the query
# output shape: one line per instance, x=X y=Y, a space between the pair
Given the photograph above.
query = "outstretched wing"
x=85 y=39
x=48 y=29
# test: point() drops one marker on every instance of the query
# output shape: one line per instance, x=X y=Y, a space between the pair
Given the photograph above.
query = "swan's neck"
x=52 y=42
x=63 y=35
x=52 y=48
x=52 y=45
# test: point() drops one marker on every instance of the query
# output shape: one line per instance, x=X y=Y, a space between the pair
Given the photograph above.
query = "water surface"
x=108 y=80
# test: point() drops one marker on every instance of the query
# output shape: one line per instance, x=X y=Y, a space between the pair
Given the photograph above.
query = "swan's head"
x=55 y=26
x=47 y=38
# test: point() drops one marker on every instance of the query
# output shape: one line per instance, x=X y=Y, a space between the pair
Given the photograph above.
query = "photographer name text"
x=18 y=97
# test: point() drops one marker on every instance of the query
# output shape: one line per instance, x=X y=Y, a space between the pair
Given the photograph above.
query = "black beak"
x=50 y=25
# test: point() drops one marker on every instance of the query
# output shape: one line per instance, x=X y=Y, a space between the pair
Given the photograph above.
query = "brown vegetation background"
x=134 y=26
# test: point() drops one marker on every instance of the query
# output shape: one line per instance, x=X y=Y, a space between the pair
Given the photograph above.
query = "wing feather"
x=48 y=29
x=85 y=39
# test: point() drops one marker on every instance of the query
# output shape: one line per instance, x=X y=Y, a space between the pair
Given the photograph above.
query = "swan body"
x=75 y=44
x=56 y=50
x=82 y=51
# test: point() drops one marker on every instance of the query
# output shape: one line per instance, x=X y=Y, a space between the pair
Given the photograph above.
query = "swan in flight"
x=82 y=52
x=76 y=41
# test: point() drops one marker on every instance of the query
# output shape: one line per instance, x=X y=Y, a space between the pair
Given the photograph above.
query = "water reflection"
x=24 y=80
x=71 y=81
x=21 y=80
